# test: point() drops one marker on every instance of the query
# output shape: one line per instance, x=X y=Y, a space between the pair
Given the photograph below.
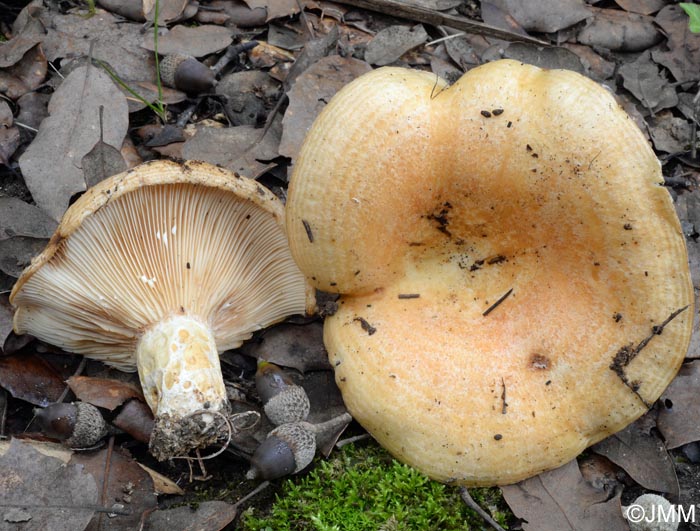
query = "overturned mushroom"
x=158 y=269
x=514 y=278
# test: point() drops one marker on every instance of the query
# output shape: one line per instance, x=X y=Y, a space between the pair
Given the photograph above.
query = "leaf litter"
x=255 y=122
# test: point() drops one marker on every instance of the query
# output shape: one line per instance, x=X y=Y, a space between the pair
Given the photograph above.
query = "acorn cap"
x=291 y=404
x=90 y=426
x=507 y=255
x=288 y=449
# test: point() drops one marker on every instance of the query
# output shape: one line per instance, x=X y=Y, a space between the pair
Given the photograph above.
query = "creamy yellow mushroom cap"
x=514 y=278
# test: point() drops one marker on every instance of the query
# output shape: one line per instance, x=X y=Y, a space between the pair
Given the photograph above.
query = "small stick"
x=105 y=479
x=231 y=53
x=499 y=301
x=352 y=440
x=252 y=493
x=467 y=498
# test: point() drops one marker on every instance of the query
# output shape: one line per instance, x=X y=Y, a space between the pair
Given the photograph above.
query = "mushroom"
x=514 y=278
x=157 y=270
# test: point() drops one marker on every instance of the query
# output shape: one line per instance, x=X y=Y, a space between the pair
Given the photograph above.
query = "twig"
x=3 y=411
x=352 y=440
x=105 y=479
x=231 y=53
x=252 y=493
x=467 y=498
x=78 y=371
x=436 y=18
x=499 y=301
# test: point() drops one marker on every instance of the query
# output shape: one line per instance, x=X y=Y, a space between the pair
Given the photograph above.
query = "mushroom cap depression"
x=514 y=278
x=157 y=241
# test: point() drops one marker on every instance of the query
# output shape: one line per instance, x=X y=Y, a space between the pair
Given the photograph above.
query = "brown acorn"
x=283 y=400
x=185 y=73
x=288 y=449
x=78 y=424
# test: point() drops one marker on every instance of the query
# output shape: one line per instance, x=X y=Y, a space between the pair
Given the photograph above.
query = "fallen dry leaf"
x=17 y=253
x=643 y=7
x=669 y=133
x=311 y=91
x=546 y=16
x=129 y=487
x=113 y=42
x=129 y=9
x=296 y=346
x=54 y=495
x=640 y=453
x=649 y=85
x=595 y=65
x=31 y=378
x=561 y=500
x=196 y=41
x=13 y=50
x=33 y=109
x=50 y=449
x=462 y=53
x=100 y=162
x=683 y=55
x=391 y=43
x=679 y=415
x=247 y=96
x=103 y=392
x=550 y=57
x=51 y=164
x=207 y=516
x=6 y=315
x=162 y=484
x=239 y=13
x=619 y=31
x=136 y=419
x=495 y=16
x=276 y=8
x=168 y=10
x=18 y=218
x=238 y=149
x=9 y=142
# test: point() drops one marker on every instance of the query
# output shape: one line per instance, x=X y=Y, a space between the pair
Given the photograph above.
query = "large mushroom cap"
x=513 y=275
x=159 y=268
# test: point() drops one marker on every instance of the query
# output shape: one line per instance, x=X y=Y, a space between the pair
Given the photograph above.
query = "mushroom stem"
x=178 y=364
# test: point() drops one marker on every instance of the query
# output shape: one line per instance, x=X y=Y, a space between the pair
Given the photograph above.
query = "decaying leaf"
x=311 y=92
x=643 y=7
x=683 y=55
x=168 y=10
x=17 y=253
x=55 y=496
x=208 y=516
x=391 y=43
x=136 y=419
x=546 y=16
x=100 y=162
x=679 y=415
x=13 y=50
x=51 y=164
x=641 y=454
x=246 y=95
x=103 y=392
x=669 y=133
x=277 y=8
x=595 y=65
x=289 y=345
x=619 y=31
x=6 y=314
x=18 y=218
x=196 y=41
x=648 y=84
x=161 y=483
x=9 y=142
x=561 y=500
x=495 y=16
x=31 y=378
x=462 y=53
x=50 y=449
x=238 y=149
x=114 y=43
x=238 y=13
x=550 y=57
x=128 y=487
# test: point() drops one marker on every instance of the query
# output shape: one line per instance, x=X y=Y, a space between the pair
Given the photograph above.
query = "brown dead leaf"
x=550 y=57
x=113 y=42
x=640 y=453
x=391 y=43
x=288 y=345
x=51 y=164
x=495 y=16
x=561 y=500
x=18 y=218
x=30 y=378
x=129 y=9
x=648 y=84
x=311 y=91
x=683 y=55
x=162 y=484
x=546 y=16
x=248 y=94
x=51 y=494
x=13 y=50
x=103 y=392
x=9 y=142
x=238 y=149
x=619 y=31
x=50 y=449
x=128 y=486
x=239 y=14
x=669 y=133
x=679 y=415
x=594 y=64
x=196 y=41
x=6 y=315
x=31 y=69
x=643 y=7
x=33 y=109
x=136 y=419
x=462 y=53
x=208 y=516
x=277 y=8
x=168 y=10
x=17 y=253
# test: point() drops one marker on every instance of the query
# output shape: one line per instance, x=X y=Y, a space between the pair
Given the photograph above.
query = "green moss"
x=362 y=489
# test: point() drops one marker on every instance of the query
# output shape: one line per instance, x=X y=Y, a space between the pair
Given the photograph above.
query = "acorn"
x=290 y=448
x=283 y=400
x=77 y=424
x=185 y=73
